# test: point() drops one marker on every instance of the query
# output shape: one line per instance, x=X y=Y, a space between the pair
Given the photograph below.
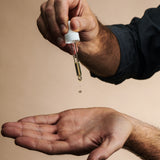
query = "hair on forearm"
x=144 y=141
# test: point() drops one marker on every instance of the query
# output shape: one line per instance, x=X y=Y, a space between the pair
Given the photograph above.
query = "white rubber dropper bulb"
x=71 y=36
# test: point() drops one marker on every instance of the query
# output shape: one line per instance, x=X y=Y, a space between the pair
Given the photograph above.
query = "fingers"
x=48 y=26
x=14 y=132
x=18 y=129
x=53 y=22
x=50 y=18
x=79 y=24
x=62 y=12
x=42 y=119
x=43 y=28
x=56 y=13
x=57 y=147
x=107 y=148
x=31 y=126
x=87 y=26
x=41 y=124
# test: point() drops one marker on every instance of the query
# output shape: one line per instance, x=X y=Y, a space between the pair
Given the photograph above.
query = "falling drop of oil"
x=80 y=87
x=80 y=91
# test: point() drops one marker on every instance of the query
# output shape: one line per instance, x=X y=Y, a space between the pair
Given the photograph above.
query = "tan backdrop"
x=38 y=78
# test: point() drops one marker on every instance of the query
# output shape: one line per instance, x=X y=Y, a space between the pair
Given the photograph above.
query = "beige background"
x=38 y=78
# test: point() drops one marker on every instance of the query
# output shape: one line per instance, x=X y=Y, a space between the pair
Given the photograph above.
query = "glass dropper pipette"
x=77 y=64
x=72 y=38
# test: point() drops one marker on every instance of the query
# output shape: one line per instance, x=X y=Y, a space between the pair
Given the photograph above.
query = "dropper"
x=72 y=38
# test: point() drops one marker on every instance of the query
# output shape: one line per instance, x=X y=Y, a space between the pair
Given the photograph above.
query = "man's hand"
x=98 y=49
x=98 y=131
x=53 y=21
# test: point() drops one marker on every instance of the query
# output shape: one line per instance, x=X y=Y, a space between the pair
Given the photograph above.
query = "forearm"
x=144 y=140
x=102 y=54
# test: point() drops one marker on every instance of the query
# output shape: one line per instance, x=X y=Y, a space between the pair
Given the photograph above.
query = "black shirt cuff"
x=128 y=56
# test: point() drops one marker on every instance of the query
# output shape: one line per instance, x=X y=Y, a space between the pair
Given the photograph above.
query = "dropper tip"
x=79 y=78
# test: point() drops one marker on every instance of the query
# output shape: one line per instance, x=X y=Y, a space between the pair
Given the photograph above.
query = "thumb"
x=86 y=24
x=105 y=150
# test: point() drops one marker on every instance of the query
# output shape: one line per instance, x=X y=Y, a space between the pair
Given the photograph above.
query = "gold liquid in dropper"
x=78 y=71
x=77 y=64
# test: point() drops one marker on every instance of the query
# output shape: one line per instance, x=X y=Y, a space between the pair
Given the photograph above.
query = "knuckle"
x=42 y=7
x=38 y=22
x=49 y=11
x=60 y=18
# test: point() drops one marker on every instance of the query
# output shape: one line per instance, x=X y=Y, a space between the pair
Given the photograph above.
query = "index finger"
x=62 y=12
x=42 y=119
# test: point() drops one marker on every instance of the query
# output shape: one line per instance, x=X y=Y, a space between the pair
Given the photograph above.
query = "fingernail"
x=63 y=28
x=60 y=41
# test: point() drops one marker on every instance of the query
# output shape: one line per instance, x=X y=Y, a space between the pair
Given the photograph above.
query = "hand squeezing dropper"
x=72 y=38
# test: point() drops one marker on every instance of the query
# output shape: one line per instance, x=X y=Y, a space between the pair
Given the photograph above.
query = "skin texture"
x=98 y=131
x=98 y=49
x=144 y=140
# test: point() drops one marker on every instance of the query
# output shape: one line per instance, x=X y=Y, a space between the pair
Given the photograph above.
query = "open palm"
x=101 y=131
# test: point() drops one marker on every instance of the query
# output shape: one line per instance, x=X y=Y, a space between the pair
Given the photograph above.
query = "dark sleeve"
x=139 y=46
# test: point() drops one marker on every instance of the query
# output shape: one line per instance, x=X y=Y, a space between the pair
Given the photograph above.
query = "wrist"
x=133 y=122
x=144 y=140
x=101 y=55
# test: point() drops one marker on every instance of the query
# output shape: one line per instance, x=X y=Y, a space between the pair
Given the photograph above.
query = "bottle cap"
x=71 y=36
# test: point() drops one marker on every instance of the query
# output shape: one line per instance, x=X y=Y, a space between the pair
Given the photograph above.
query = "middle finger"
x=32 y=126
x=52 y=24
